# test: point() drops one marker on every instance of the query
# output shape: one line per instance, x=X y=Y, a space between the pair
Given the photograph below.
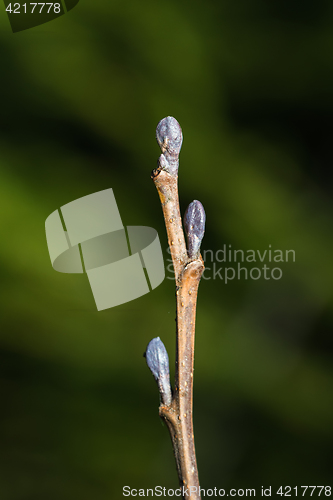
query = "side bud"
x=194 y=223
x=158 y=362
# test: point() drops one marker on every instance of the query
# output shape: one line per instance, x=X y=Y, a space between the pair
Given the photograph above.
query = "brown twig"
x=188 y=268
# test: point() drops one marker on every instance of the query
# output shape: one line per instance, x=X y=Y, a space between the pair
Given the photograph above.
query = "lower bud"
x=158 y=362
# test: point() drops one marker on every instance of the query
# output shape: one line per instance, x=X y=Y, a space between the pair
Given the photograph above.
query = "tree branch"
x=188 y=267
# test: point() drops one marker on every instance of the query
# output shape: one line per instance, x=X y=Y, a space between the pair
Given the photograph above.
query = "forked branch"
x=176 y=410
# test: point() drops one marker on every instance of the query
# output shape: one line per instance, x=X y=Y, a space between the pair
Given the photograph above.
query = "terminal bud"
x=170 y=137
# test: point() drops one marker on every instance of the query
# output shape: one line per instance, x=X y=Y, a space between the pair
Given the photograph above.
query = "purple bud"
x=170 y=137
x=158 y=362
x=194 y=223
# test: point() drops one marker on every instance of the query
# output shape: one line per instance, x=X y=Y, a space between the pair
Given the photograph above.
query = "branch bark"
x=188 y=268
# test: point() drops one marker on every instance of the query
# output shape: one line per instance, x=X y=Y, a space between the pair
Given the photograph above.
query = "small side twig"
x=188 y=268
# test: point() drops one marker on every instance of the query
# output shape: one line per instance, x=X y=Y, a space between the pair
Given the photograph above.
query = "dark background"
x=251 y=83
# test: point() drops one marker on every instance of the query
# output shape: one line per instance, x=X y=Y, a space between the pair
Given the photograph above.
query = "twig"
x=188 y=268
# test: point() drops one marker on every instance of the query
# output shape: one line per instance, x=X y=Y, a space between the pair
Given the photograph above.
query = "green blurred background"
x=251 y=83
